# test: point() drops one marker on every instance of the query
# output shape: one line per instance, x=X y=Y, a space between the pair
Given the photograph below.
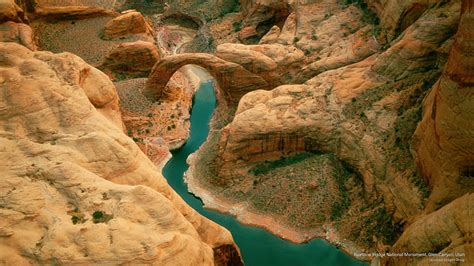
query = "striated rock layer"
x=75 y=188
x=444 y=139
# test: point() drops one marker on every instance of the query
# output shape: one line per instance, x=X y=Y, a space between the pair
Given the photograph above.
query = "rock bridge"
x=233 y=79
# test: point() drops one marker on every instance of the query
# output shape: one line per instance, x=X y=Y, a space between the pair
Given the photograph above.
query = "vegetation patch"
x=203 y=42
x=237 y=25
x=268 y=166
x=409 y=115
x=368 y=15
x=380 y=224
x=77 y=217
x=101 y=217
x=339 y=207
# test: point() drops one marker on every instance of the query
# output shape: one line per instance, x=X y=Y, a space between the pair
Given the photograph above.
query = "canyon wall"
x=447 y=231
x=444 y=138
x=396 y=16
x=376 y=95
x=322 y=111
x=381 y=98
x=443 y=144
x=259 y=15
x=75 y=187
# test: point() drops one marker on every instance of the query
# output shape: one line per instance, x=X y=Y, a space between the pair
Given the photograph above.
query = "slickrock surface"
x=74 y=187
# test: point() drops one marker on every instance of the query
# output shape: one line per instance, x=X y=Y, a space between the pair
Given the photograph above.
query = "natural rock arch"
x=233 y=79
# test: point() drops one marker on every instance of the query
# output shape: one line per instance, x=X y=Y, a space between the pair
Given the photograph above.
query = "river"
x=258 y=247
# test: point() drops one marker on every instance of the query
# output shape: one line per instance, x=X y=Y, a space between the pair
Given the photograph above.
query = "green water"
x=258 y=247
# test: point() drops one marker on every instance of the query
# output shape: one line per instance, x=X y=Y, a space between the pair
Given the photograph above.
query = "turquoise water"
x=258 y=247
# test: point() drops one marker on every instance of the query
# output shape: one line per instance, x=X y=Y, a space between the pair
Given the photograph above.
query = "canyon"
x=347 y=120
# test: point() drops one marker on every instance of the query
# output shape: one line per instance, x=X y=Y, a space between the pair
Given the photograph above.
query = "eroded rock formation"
x=233 y=79
x=447 y=230
x=275 y=63
x=129 y=22
x=342 y=147
x=260 y=15
x=74 y=9
x=10 y=11
x=135 y=59
x=396 y=16
x=444 y=138
x=360 y=102
x=74 y=187
x=19 y=33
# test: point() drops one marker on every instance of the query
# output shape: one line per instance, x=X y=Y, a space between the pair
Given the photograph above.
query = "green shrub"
x=237 y=25
x=267 y=166
x=339 y=207
x=77 y=217
x=101 y=217
x=380 y=224
x=97 y=215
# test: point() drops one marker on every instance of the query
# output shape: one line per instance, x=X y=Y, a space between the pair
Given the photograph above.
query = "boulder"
x=271 y=36
x=247 y=33
x=134 y=59
x=18 y=32
x=129 y=22
x=9 y=10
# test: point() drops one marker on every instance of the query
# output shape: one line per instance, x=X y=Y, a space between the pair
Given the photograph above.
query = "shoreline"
x=241 y=211
x=243 y=214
